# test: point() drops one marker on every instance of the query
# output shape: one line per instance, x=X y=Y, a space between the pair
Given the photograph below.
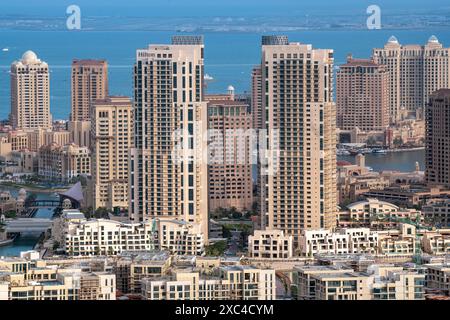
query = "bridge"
x=33 y=225
x=36 y=204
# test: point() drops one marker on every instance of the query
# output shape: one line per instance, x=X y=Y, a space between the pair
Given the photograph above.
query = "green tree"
x=216 y=249
x=101 y=212
x=234 y=213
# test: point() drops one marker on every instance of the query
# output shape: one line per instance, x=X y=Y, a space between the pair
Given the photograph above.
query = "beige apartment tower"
x=230 y=165
x=437 y=135
x=415 y=71
x=30 y=93
x=169 y=173
x=112 y=138
x=256 y=98
x=362 y=95
x=89 y=83
x=299 y=184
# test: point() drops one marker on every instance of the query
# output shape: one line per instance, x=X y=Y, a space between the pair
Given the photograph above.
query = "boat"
x=379 y=151
x=5 y=49
x=342 y=152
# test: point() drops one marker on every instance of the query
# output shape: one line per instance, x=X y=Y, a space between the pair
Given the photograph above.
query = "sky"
x=175 y=8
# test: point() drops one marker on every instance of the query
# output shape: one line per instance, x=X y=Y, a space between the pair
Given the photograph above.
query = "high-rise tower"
x=416 y=71
x=169 y=170
x=30 y=93
x=299 y=192
x=437 y=138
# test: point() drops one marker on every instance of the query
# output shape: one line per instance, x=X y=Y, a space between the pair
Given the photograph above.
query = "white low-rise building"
x=400 y=241
x=345 y=241
x=380 y=282
x=81 y=237
x=180 y=237
x=270 y=244
x=107 y=237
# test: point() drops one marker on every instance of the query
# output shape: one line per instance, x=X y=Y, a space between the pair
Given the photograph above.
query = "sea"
x=229 y=56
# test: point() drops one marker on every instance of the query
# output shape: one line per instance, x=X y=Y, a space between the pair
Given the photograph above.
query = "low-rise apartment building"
x=107 y=237
x=180 y=237
x=380 y=282
x=82 y=237
x=131 y=268
x=304 y=278
x=438 y=213
x=436 y=242
x=344 y=241
x=400 y=241
x=230 y=283
x=373 y=212
x=438 y=277
x=394 y=283
x=27 y=279
x=270 y=244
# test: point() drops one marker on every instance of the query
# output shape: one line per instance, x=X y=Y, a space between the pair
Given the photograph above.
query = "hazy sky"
x=217 y=7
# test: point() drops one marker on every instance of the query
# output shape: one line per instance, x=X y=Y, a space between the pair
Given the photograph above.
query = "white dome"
x=29 y=57
x=433 y=39
x=230 y=88
x=393 y=39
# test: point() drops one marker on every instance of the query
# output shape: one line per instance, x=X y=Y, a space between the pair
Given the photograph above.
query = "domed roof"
x=29 y=57
x=393 y=39
x=230 y=88
x=433 y=39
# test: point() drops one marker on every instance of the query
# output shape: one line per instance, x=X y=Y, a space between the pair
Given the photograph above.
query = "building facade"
x=89 y=83
x=82 y=237
x=232 y=283
x=415 y=72
x=168 y=176
x=270 y=244
x=230 y=163
x=63 y=162
x=30 y=93
x=299 y=184
x=112 y=138
x=29 y=279
x=437 y=138
x=362 y=95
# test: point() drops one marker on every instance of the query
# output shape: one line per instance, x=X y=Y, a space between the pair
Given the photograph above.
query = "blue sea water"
x=229 y=57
